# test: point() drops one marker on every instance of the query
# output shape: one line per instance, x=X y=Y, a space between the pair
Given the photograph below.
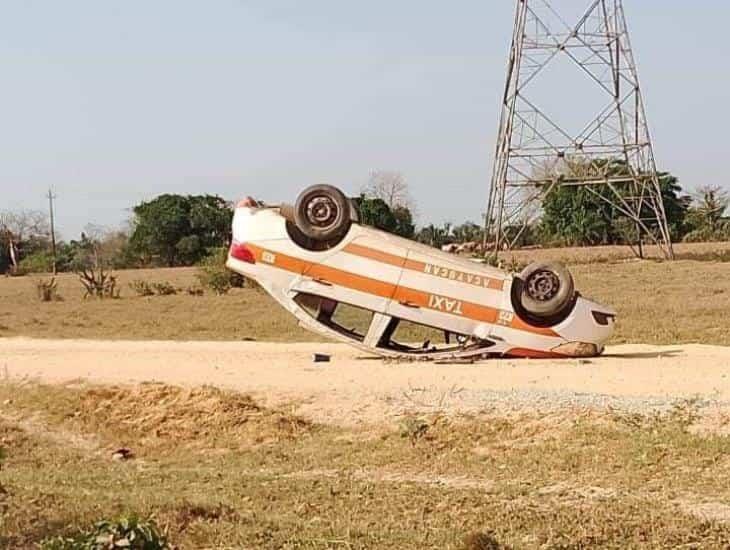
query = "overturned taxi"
x=397 y=298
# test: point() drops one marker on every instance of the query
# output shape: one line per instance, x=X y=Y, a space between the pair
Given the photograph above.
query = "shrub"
x=722 y=256
x=708 y=235
x=163 y=288
x=126 y=532
x=141 y=288
x=195 y=291
x=413 y=428
x=513 y=265
x=214 y=275
x=39 y=262
x=216 y=280
x=144 y=288
x=48 y=290
x=481 y=541
x=98 y=283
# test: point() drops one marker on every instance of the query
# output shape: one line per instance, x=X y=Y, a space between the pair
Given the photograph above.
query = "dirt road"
x=353 y=388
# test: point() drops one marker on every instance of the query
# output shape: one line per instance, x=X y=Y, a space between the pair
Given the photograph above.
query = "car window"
x=348 y=320
x=409 y=337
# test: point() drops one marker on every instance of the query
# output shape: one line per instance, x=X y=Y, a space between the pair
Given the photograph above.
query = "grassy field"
x=242 y=314
x=662 y=303
x=215 y=470
x=618 y=253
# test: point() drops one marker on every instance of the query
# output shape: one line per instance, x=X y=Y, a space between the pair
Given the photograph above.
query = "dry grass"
x=150 y=416
x=575 y=481
x=613 y=254
x=217 y=470
x=662 y=303
x=242 y=314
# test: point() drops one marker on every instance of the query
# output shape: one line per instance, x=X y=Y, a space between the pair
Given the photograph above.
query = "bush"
x=721 y=256
x=144 y=288
x=126 y=532
x=708 y=235
x=214 y=275
x=48 y=290
x=141 y=288
x=98 y=283
x=413 y=428
x=40 y=262
x=481 y=541
x=195 y=291
x=164 y=288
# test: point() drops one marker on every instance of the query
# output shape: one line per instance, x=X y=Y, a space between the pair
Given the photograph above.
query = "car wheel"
x=322 y=213
x=546 y=291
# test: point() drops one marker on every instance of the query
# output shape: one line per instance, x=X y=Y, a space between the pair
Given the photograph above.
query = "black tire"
x=545 y=292
x=322 y=213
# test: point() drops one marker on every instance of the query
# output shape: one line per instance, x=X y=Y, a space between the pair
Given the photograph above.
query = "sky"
x=111 y=103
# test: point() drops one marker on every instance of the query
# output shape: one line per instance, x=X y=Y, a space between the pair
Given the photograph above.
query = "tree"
x=435 y=236
x=676 y=205
x=390 y=187
x=467 y=232
x=403 y=222
x=710 y=203
x=705 y=221
x=97 y=247
x=579 y=216
x=25 y=224
x=74 y=255
x=376 y=213
x=180 y=229
x=385 y=203
x=5 y=240
x=25 y=230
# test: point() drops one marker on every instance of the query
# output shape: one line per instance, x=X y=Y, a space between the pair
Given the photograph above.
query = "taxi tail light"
x=241 y=252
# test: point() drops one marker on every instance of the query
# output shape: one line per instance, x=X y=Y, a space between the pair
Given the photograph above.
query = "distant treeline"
x=181 y=230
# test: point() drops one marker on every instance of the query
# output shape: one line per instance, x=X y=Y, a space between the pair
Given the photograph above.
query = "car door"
x=364 y=271
x=440 y=291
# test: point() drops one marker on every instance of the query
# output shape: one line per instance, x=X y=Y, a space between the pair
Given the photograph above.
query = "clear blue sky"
x=114 y=102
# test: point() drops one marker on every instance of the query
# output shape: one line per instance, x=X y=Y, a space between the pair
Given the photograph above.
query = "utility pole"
x=51 y=198
x=594 y=136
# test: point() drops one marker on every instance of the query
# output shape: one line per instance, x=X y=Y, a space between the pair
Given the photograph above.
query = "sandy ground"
x=354 y=388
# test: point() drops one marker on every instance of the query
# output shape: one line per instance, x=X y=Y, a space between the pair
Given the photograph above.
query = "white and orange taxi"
x=374 y=290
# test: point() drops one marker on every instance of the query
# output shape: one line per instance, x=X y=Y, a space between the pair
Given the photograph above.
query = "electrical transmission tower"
x=600 y=141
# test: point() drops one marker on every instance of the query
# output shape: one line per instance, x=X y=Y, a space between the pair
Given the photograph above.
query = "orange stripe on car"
x=401 y=294
x=422 y=267
x=372 y=254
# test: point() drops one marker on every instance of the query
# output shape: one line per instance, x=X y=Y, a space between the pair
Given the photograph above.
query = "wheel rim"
x=321 y=211
x=543 y=285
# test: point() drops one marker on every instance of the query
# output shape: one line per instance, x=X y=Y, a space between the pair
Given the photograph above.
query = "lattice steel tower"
x=601 y=139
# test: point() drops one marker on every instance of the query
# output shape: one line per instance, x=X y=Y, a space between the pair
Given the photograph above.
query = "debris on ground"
x=122 y=454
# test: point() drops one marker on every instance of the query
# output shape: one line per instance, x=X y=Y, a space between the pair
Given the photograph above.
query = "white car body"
x=395 y=278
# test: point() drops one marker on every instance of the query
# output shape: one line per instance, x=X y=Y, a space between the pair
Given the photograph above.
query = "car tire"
x=545 y=292
x=322 y=213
